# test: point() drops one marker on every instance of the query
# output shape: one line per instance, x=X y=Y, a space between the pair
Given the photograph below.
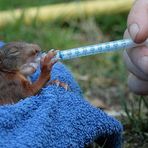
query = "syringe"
x=95 y=49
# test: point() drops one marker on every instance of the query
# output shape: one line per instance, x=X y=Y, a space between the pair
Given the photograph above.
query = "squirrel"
x=15 y=59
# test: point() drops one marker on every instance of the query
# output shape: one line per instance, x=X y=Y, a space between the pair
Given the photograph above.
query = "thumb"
x=138 y=21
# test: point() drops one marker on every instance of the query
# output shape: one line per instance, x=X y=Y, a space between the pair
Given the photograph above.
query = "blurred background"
x=64 y=24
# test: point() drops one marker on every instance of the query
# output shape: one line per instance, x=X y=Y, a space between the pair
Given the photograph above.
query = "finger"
x=133 y=67
x=136 y=60
x=137 y=85
x=126 y=34
x=138 y=21
x=139 y=56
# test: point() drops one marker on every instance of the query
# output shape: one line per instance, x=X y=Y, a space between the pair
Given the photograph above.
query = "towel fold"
x=56 y=118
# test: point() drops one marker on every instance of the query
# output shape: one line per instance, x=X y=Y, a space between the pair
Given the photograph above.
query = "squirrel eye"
x=14 y=52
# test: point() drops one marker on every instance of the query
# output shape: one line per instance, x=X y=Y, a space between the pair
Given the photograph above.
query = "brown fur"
x=13 y=83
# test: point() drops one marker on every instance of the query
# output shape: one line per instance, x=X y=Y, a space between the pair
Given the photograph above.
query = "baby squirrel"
x=15 y=58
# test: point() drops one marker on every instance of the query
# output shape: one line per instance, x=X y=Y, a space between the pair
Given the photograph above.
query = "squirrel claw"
x=66 y=87
x=58 y=83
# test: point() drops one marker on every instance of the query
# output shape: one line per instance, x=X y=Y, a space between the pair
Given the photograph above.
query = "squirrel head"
x=15 y=54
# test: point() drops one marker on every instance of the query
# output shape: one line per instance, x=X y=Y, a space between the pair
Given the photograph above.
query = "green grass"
x=101 y=76
x=12 y=4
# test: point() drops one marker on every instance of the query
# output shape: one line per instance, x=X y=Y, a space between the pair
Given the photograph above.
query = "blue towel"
x=56 y=118
x=1 y=44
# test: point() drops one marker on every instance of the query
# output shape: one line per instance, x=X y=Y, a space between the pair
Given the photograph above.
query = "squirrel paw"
x=47 y=62
x=59 y=83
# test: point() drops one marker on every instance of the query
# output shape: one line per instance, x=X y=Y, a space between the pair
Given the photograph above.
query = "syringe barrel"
x=95 y=49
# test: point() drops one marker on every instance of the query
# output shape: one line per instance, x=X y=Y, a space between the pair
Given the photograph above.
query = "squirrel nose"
x=36 y=48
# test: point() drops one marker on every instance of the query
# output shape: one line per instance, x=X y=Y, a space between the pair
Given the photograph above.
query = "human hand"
x=136 y=59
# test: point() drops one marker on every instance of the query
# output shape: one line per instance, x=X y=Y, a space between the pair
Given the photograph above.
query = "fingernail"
x=143 y=64
x=133 y=30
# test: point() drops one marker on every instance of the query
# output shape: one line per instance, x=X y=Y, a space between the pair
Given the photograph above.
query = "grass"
x=136 y=124
x=11 y=4
x=102 y=76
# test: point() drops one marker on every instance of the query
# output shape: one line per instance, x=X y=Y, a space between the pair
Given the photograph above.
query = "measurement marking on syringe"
x=96 y=49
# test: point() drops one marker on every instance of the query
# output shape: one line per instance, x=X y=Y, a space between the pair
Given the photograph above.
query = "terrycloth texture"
x=56 y=118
